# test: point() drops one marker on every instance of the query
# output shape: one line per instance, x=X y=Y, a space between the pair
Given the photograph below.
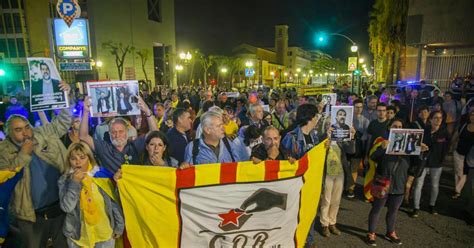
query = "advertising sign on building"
x=72 y=42
x=352 y=64
x=75 y=66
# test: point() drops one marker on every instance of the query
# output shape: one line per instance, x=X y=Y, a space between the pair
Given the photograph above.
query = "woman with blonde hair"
x=93 y=219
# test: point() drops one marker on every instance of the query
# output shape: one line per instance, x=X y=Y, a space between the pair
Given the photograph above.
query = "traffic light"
x=357 y=72
x=2 y=72
x=321 y=38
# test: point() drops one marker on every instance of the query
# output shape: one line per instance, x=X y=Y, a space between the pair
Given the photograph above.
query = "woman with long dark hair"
x=157 y=152
x=437 y=139
x=394 y=168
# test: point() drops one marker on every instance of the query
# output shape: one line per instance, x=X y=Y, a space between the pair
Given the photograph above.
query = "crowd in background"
x=57 y=199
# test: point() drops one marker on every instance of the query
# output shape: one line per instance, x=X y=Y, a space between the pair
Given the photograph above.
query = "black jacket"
x=438 y=144
x=398 y=174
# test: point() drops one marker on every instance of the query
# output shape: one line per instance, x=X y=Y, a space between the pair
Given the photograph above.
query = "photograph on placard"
x=45 y=92
x=341 y=122
x=328 y=99
x=405 y=141
x=113 y=98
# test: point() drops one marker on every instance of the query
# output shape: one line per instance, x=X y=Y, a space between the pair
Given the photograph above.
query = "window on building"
x=3 y=47
x=5 y=4
x=14 y=4
x=154 y=10
x=21 y=48
x=12 y=48
x=17 y=23
x=8 y=23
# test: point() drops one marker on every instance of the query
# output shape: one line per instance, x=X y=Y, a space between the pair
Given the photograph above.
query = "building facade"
x=281 y=63
x=440 y=41
x=26 y=30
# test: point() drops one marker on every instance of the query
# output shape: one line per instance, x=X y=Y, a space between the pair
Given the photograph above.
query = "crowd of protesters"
x=56 y=200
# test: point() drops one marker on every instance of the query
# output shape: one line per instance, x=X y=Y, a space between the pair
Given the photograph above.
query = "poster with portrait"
x=113 y=98
x=341 y=121
x=45 y=93
x=328 y=99
x=405 y=141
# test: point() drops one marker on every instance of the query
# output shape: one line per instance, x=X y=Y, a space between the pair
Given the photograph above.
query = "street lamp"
x=354 y=48
x=178 y=68
x=185 y=56
x=248 y=64
x=224 y=70
x=99 y=63
x=361 y=60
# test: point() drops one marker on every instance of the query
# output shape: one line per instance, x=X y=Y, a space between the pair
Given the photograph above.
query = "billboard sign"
x=72 y=42
x=352 y=64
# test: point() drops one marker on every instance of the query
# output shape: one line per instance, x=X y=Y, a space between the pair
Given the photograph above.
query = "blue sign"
x=67 y=8
x=75 y=66
x=71 y=42
x=249 y=72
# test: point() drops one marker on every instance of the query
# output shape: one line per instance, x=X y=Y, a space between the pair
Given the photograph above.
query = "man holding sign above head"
x=37 y=154
x=121 y=151
x=46 y=93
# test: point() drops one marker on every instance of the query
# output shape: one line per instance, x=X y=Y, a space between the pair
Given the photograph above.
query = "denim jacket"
x=295 y=143
x=69 y=194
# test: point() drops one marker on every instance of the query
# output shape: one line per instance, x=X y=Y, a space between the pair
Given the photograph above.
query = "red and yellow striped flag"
x=369 y=176
x=271 y=204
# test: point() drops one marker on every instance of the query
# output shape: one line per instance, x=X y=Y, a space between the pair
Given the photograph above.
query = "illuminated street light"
x=179 y=67
x=304 y=75
x=99 y=63
x=185 y=56
x=2 y=72
x=310 y=71
x=285 y=74
x=354 y=48
x=361 y=60
x=248 y=64
x=224 y=70
x=296 y=75
x=298 y=70
x=364 y=66
x=272 y=73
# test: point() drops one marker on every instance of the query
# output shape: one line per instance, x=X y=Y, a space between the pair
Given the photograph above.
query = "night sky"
x=217 y=26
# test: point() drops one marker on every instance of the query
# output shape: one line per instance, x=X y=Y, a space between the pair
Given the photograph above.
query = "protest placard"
x=341 y=121
x=405 y=141
x=113 y=98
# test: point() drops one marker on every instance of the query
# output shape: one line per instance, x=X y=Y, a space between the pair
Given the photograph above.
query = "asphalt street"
x=447 y=229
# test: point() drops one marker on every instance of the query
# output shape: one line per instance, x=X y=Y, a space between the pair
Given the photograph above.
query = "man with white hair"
x=256 y=117
x=121 y=151
x=41 y=155
x=212 y=146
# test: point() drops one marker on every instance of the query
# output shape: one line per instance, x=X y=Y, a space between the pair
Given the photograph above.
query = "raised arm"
x=43 y=118
x=84 y=127
x=149 y=115
x=61 y=124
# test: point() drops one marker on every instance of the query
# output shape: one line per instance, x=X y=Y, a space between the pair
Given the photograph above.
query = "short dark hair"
x=178 y=112
x=43 y=63
x=356 y=101
x=207 y=105
x=396 y=103
x=394 y=120
x=305 y=113
x=423 y=107
x=392 y=108
x=381 y=104
x=341 y=110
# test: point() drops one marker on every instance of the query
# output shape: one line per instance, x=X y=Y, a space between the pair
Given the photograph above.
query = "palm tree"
x=387 y=32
